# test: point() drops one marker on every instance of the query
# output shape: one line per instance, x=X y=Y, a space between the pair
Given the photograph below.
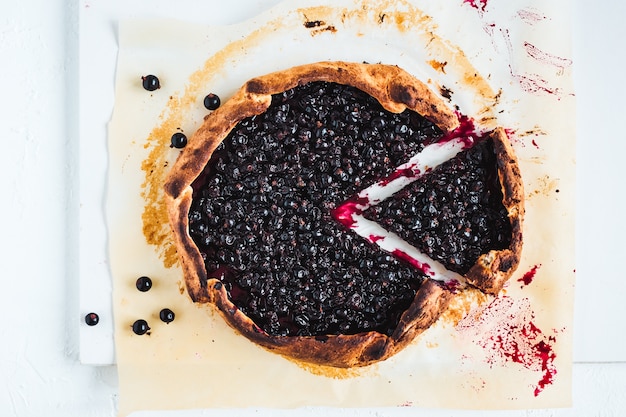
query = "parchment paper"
x=513 y=351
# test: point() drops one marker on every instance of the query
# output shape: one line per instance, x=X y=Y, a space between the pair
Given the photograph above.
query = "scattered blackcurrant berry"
x=166 y=315
x=140 y=327
x=150 y=82
x=179 y=140
x=92 y=319
x=212 y=101
x=143 y=284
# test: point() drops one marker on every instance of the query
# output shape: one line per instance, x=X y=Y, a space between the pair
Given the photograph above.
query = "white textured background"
x=39 y=370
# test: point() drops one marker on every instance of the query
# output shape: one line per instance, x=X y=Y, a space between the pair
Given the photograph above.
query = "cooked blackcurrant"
x=166 y=315
x=179 y=140
x=92 y=319
x=212 y=101
x=140 y=327
x=143 y=284
x=150 y=82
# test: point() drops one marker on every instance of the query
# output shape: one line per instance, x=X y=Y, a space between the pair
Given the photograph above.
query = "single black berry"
x=212 y=101
x=140 y=327
x=166 y=315
x=179 y=140
x=92 y=319
x=150 y=82
x=143 y=284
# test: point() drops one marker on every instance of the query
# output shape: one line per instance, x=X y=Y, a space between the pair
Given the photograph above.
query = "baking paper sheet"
x=510 y=352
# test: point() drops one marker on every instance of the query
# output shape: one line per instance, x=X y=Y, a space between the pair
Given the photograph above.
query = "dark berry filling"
x=261 y=213
x=453 y=214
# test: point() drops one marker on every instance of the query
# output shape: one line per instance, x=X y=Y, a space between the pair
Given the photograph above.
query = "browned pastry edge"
x=342 y=351
x=396 y=90
x=494 y=268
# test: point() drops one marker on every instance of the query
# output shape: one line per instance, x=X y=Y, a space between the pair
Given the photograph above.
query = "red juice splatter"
x=453 y=286
x=535 y=144
x=531 y=330
x=528 y=277
x=422 y=266
x=532 y=83
x=531 y=17
x=344 y=214
x=409 y=172
x=511 y=134
x=257 y=329
x=220 y=273
x=506 y=331
x=375 y=238
x=479 y=5
x=465 y=132
x=547 y=356
x=545 y=57
x=515 y=138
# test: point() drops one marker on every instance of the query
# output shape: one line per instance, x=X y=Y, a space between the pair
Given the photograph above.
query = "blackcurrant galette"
x=331 y=211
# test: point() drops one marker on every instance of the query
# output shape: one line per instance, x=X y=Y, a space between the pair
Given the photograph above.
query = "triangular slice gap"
x=440 y=211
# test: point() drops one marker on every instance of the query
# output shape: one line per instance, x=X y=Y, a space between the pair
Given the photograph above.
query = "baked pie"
x=331 y=211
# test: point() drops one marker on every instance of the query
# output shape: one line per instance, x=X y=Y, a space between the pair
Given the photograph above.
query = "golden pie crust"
x=396 y=90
